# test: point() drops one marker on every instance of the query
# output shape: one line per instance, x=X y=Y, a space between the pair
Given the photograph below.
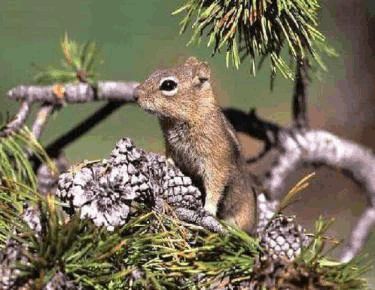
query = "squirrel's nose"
x=136 y=95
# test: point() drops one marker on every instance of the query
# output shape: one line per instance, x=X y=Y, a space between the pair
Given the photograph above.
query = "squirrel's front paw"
x=171 y=161
x=210 y=207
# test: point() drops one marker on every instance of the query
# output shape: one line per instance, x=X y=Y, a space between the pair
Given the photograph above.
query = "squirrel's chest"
x=182 y=146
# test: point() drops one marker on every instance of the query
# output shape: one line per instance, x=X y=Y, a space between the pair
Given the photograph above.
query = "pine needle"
x=257 y=29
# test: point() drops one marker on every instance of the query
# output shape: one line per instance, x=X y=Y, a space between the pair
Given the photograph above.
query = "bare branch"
x=313 y=147
x=42 y=116
x=256 y=127
x=18 y=120
x=65 y=93
x=82 y=128
x=75 y=92
x=359 y=234
x=251 y=124
x=318 y=147
x=40 y=121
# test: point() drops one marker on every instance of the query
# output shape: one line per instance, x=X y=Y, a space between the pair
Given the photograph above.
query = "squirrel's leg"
x=242 y=215
x=239 y=208
x=169 y=157
x=214 y=184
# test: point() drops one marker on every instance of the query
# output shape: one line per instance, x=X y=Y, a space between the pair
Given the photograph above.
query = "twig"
x=39 y=123
x=44 y=112
x=266 y=148
x=251 y=124
x=18 y=120
x=256 y=127
x=299 y=106
x=54 y=148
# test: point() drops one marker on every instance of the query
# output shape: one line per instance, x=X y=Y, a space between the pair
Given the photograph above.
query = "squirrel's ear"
x=201 y=73
x=192 y=61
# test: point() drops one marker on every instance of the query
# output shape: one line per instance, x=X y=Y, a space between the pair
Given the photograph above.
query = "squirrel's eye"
x=168 y=87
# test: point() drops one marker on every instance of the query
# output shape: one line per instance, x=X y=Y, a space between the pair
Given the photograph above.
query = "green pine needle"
x=165 y=252
x=17 y=178
x=257 y=29
x=152 y=250
x=78 y=64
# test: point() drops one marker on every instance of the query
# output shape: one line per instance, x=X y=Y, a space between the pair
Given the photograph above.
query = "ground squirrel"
x=200 y=140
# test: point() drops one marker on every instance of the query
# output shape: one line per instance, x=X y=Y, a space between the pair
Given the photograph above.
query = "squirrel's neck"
x=199 y=134
x=200 y=119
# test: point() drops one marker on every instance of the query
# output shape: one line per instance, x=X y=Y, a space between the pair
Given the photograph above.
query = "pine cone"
x=10 y=259
x=31 y=215
x=104 y=190
x=60 y=282
x=286 y=275
x=283 y=239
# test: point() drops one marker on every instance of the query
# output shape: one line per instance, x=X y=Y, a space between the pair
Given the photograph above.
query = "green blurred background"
x=136 y=37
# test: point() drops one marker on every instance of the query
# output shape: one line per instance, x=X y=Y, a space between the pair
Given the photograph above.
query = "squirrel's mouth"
x=149 y=108
x=152 y=112
x=146 y=107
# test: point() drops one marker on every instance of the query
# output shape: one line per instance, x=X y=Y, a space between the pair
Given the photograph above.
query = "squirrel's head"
x=179 y=92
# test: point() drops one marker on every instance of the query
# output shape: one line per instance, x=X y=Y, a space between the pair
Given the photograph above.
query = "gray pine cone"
x=104 y=190
x=283 y=239
x=31 y=215
x=10 y=257
x=60 y=281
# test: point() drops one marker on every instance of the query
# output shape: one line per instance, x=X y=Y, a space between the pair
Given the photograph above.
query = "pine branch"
x=14 y=164
x=257 y=29
x=273 y=135
x=71 y=93
x=78 y=64
x=49 y=248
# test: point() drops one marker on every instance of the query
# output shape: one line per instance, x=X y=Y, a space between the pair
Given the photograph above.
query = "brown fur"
x=201 y=141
